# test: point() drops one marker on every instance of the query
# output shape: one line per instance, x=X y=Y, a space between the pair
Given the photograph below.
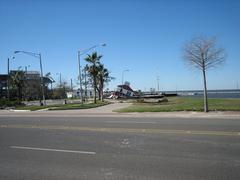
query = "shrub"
x=9 y=103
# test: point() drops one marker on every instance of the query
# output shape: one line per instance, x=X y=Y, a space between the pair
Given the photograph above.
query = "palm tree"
x=17 y=81
x=46 y=80
x=103 y=77
x=92 y=68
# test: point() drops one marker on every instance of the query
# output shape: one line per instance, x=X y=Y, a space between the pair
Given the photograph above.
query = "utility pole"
x=158 y=84
x=8 y=79
x=43 y=93
x=8 y=76
x=79 y=66
x=37 y=55
x=85 y=77
x=126 y=70
x=60 y=80
x=71 y=85
x=26 y=84
x=80 y=77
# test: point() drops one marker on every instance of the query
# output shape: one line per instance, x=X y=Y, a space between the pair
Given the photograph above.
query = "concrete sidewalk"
x=105 y=109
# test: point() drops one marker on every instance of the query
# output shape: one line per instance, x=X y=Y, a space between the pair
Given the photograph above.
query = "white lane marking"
x=54 y=150
x=125 y=142
x=131 y=122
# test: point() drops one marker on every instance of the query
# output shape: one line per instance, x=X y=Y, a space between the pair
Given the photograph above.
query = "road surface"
x=124 y=148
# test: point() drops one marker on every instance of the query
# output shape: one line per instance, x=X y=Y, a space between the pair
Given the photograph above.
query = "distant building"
x=31 y=88
x=85 y=94
x=3 y=85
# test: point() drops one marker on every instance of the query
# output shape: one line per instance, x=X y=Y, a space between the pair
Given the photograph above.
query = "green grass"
x=63 y=106
x=79 y=106
x=34 y=108
x=184 y=104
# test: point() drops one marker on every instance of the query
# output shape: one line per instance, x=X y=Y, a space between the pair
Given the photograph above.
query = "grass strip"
x=184 y=104
x=63 y=106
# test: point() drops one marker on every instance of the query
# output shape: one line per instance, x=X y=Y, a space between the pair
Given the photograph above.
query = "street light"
x=8 y=66
x=36 y=55
x=126 y=70
x=79 y=66
x=60 y=84
x=60 y=79
x=26 y=68
x=27 y=84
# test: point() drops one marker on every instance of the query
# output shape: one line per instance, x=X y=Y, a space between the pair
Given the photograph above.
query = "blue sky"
x=144 y=36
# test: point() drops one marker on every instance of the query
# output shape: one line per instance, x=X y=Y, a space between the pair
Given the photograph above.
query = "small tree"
x=202 y=53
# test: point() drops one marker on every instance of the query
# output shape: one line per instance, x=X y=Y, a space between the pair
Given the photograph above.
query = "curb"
x=42 y=110
x=14 y=110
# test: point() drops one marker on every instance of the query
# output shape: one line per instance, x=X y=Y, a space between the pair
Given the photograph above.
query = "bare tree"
x=203 y=54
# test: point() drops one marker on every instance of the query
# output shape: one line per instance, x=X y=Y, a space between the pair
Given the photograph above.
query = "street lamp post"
x=85 y=83
x=43 y=94
x=60 y=79
x=60 y=85
x=80 y=78
x=79 y=67
x=71 y=85
x=26 y=81
x=158 y=84
x=126 y=70
x=8 y=78
x=26 y=68
x=37 y=55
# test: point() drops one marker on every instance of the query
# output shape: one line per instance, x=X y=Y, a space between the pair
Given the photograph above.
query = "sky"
x=144 y=36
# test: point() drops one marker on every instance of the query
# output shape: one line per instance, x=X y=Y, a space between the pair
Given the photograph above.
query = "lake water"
x=230 y=93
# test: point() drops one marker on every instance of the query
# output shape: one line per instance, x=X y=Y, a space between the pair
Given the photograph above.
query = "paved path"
x=106 y=109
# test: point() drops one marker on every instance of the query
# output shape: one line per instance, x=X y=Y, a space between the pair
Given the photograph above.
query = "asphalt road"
x=127 y=148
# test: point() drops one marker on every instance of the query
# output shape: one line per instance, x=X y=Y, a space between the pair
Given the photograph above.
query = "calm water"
x=231 y=93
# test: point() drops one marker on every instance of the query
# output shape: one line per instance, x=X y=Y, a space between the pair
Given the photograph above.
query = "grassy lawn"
x=184 y=104
x=63 y=106
x=79 y=106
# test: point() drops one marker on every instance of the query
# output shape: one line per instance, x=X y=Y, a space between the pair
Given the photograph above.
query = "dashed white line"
x=53 y=150
x=131 y=122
